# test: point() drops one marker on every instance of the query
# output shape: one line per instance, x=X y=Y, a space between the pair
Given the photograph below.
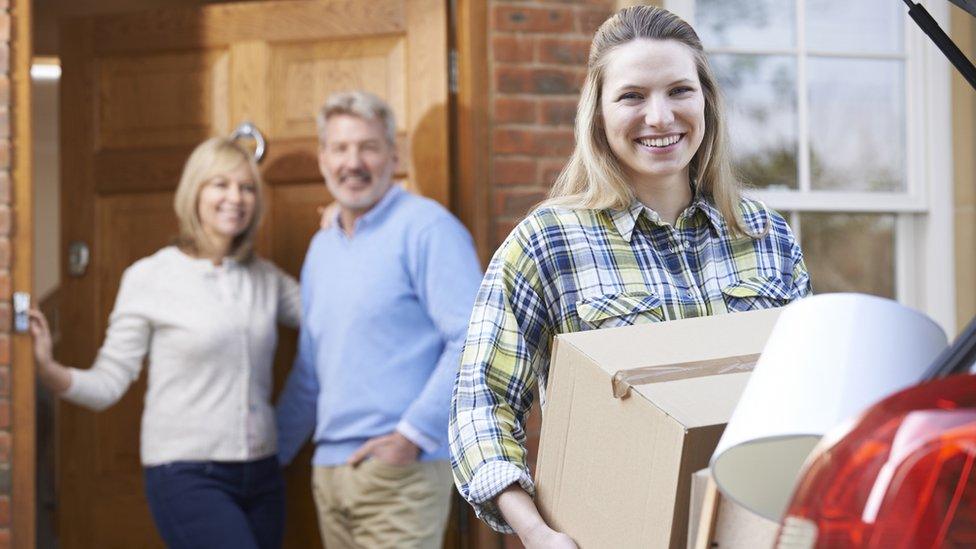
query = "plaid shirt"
x=563 y=270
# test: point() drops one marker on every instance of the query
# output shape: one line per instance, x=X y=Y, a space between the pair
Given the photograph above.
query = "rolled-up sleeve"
x=509 y=336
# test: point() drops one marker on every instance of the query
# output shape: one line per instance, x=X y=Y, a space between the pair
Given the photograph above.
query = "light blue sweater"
x=385 y=314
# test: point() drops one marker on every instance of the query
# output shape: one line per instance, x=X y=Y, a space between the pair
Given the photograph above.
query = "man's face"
x=357 y=161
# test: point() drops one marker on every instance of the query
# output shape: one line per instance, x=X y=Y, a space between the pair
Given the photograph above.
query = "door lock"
x=21 y=309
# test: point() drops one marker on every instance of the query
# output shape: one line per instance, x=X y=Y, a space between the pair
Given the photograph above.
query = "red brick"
x=4 y=350
x=513 y=49
x=551 y=170
x=511 y=110
x=556 y=112
x=4 y=510
x=513 y=79
x=525 y=19
x=517 y=202
x=532 y=142
x=564 y=51
x=5 y=285
x=4 y=413
x=4 y=252
x=587 y=21
x=514 y=171
x=5 y=538
x=548 y=81
x=4 y=381
x=4 y=448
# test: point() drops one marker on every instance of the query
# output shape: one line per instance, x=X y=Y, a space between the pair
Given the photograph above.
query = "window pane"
x=857 y=124
x=760 y=92
x=850 y=252
x=875 y=26
x=746 y=23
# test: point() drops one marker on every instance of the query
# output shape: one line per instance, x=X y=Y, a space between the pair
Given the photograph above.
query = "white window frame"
x=924 y=250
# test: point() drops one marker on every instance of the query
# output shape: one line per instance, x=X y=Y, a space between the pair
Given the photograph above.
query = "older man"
x=387 y=291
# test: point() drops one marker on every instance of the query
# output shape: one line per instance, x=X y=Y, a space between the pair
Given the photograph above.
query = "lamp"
x=828 y=358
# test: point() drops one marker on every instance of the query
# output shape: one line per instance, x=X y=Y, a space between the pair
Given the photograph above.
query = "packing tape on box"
x=623 y=380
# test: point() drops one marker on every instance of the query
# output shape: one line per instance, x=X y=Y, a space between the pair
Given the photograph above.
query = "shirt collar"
x=625 y=220
x=374 y=213
x=711 y=212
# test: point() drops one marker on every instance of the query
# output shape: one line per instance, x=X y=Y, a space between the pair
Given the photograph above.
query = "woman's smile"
x=660 y=144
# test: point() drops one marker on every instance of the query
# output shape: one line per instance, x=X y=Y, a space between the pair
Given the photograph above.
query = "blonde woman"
x=205 y=311
x=644 y=224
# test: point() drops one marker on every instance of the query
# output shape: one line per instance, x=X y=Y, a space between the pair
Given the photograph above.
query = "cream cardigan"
x=210 y=333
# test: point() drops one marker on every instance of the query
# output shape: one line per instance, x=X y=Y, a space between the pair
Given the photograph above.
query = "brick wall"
x=537 y=63
x=5 y=284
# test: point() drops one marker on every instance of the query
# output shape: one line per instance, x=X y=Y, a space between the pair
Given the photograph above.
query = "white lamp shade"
x=828 y=358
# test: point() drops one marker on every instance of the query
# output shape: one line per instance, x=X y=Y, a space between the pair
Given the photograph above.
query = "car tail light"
x=903 y=475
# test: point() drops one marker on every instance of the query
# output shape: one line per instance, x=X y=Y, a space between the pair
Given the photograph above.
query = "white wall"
x=47 y=228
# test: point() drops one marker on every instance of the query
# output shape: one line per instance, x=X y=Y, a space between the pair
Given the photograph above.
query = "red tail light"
x=902 y=476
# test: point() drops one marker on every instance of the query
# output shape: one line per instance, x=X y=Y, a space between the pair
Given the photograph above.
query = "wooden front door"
x=139 y=91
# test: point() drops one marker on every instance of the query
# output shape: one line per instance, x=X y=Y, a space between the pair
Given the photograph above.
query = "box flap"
x=698 y=401
x=676 y=341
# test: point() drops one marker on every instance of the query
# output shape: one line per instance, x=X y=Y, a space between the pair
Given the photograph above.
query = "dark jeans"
x=213 y=504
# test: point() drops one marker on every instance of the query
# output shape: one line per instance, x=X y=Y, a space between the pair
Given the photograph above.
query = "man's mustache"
x=359 y=174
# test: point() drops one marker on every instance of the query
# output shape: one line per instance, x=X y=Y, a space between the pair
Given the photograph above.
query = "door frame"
x=471 y=149
x=470 y=200
x=471 y=161
x=23 y=523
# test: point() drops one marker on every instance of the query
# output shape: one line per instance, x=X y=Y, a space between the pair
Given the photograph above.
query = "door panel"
x=303 y=74
x=130 y=226
x=187 y=93
x=139 y=91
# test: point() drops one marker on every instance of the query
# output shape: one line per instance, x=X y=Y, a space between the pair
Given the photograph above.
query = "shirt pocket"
x=757 y=292
x=620 y=309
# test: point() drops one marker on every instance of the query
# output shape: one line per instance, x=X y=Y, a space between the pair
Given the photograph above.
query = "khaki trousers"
x=375 y=505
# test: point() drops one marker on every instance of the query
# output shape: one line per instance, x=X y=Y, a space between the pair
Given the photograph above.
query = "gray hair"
x=361 y=104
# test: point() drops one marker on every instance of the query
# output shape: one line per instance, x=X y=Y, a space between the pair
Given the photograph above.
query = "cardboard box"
x=732 y=525
x=631 y=413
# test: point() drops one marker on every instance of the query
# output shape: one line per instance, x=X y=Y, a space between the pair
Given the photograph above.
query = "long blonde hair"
x=592 y=178
x=212 y=157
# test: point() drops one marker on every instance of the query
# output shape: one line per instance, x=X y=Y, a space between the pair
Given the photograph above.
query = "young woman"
x=644 y=224
x=206 y=312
